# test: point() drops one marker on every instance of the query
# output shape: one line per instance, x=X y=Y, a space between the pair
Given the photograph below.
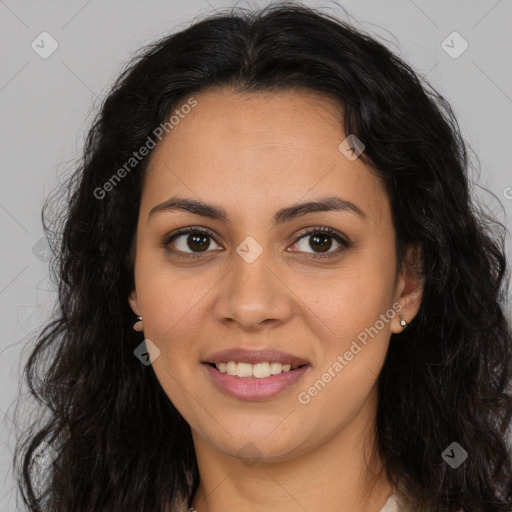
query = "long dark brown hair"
x=116 y=441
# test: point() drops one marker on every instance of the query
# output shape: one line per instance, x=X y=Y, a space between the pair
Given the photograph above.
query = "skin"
x=253 y=155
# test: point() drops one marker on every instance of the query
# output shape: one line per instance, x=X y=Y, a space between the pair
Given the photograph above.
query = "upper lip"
x=241 y=355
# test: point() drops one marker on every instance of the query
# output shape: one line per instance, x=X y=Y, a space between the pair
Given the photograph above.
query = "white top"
x=390 y=505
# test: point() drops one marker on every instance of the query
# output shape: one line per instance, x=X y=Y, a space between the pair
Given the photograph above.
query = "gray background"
x=46 y=107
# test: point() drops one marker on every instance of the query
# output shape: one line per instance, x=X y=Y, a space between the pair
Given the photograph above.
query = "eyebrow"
x=287 y=214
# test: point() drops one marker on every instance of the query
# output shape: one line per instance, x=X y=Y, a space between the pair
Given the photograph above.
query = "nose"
x=253 y=295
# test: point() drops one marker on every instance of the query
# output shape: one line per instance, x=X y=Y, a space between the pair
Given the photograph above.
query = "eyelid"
x=308 y=231
x=323 y=229
x=186 y=231
x=344 y=242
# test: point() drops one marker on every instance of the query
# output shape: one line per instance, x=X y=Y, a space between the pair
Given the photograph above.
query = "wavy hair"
x=118 y=441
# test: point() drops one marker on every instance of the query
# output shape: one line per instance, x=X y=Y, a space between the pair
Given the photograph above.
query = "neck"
x=334 y=476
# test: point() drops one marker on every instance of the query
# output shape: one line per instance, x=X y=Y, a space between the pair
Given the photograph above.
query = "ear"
x=409 y=289
x=134 y=302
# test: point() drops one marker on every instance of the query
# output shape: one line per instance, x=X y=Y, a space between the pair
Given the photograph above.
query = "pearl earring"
x=403 y=321
x=137 y=326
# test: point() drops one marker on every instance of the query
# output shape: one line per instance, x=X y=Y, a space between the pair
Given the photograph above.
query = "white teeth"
x=261 y=370
x=232 y=368
x=258 y=370
x=244 y=370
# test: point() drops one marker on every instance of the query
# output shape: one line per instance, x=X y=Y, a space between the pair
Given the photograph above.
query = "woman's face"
x=261 y=281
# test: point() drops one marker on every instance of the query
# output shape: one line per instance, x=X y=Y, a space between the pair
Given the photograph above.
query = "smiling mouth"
x=258 y=370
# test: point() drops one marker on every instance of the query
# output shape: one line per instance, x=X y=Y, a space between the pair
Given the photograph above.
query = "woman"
x=285 y=211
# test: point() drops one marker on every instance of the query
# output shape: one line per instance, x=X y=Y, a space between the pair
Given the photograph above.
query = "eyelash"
x=344 y=243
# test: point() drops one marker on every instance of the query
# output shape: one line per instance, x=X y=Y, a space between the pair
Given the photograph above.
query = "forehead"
x=260 y=148
x=281 y=120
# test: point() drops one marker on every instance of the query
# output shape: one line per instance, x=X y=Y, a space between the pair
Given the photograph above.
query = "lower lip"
x=252 y=388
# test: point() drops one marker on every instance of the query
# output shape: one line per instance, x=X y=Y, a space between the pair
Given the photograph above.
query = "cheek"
x=171 y=299
x=338 y=396
x=351 y=350
x=353 y=296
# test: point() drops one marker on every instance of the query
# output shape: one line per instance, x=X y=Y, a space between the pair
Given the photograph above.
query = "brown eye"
x=198 y=241
x=320 y=241
x=189 y=241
